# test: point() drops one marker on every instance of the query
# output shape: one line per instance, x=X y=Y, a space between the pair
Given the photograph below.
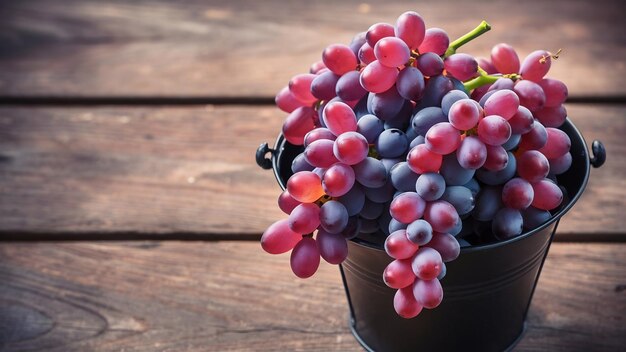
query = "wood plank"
x=230 y=296
x=242 y=48
x=159 y=171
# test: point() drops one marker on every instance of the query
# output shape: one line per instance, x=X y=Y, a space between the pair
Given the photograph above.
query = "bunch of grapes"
x=410 y=144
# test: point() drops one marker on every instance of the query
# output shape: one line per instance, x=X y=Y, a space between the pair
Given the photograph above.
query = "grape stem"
x=486 y=78
x=482 y=28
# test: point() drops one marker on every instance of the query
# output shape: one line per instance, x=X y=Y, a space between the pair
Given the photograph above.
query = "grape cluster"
x=418 y=147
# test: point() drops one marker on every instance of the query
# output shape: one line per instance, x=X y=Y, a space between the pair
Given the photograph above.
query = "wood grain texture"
x=76 y=171
x=247 y=48
x=163 y=296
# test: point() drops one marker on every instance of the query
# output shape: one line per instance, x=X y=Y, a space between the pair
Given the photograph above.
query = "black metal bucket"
x=487 y=289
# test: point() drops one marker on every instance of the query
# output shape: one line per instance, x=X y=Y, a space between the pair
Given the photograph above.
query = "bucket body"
x=487 y=289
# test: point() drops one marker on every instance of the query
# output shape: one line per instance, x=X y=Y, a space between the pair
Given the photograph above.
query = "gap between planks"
x=41 y=236
x=214 y=100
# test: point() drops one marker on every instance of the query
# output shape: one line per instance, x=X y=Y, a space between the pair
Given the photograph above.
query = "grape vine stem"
x=481 y=29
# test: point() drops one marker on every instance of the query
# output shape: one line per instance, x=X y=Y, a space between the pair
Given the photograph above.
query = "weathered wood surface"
x=157 y=296
x=81 y=171
x=246 y=48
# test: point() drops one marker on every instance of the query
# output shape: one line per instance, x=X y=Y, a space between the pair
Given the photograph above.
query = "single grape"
x=392 y=52
x=333 y=216
x=507 y=223
x=504 y=103
x=407 y=207
x=370 y=173
x=299 y=163
x=286 y=101
x=323 y=85
x=428 y=293
x=522 y=121
x=410 y=83
x=460 y=197
x=332 y=247
x=443 y=138
x=502 y=83
x=392 y=143
x=517 y=193
x=453 y=172
x=349 y=87
x=560 y=164
x=430 y=186
x=497 y=158
x=446 y=245
x=357 y=42
x=398 y=246
x=377 y=78
x=557 y=143
x=552 y=116
x=354 y=200
x=473 y=186
x=494 y=130
x=366 y=54
x=530 y=95
x=300 y=87
x=505 y=58
x=435 y=40
x=532 y=166
x=305 y=186
x=317 y=67
x=352 y=229
x=339 y=118
x=419 y=231
x=421 y=160
x=318 y=133
x=440 y=214
x=494 y=178
x=279 y=238
x=305 y=258
x=436 y=88
x=370 y=127
x=320 y=153
x=377 y=32
x=488 y=202
x=304 y=218
x=350 y=148
x=536 y=138
x=464 y=114
x=405 y=304
x=298 y=124
x=430 y=64
x=472 y=153
x=338 y=179
x=461 y=66
x=339 y=58
x=402 y=177
x=427 y=263
x=452 y=97
x=536 y=65
x=386 y=105
x=555 y=91
x=411 y=29
x=548 y=195
x=533 y=217
x=286 y=203
x=424 y=119
x=512 y=143
x=399 y=274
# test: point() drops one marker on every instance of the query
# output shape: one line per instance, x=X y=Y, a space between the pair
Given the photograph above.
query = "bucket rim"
x=280 y=145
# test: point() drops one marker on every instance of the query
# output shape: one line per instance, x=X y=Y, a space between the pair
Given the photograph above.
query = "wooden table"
x=131 y=207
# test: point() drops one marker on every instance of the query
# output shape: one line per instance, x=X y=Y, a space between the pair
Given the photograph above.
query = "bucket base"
x=358 y=338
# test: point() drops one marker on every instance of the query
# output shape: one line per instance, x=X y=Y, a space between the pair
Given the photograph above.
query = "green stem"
x=480 y=81
x=482 y=28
